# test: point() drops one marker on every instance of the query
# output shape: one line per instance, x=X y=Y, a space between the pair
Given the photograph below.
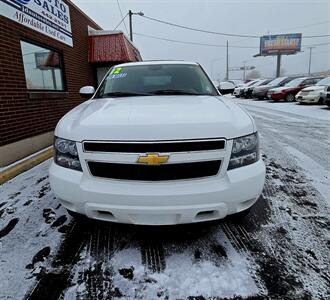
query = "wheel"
x=76 y=215
x=289 y=98
x=321 y=101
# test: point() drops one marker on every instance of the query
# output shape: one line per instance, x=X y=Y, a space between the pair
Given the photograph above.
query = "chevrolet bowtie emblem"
x=153 y=159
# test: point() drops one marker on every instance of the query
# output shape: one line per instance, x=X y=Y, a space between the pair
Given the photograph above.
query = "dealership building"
x=49 y=49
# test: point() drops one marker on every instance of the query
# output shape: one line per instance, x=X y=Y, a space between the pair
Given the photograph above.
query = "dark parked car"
x=261 y=91
x=289 y=91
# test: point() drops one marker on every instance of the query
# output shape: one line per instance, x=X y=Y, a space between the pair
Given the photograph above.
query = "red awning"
x=111 y=47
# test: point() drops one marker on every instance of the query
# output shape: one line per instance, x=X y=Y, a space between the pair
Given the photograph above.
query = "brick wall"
x=23 y=114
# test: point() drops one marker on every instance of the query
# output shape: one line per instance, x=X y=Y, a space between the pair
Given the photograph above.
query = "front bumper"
x=307 y=98
x=277 y=96
x=158 y=203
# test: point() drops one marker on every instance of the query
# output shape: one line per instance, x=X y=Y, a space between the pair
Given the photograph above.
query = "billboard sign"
x=280 y=44
x=50 y=17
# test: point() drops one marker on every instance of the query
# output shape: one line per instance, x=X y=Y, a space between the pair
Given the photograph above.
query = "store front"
x=49 y=50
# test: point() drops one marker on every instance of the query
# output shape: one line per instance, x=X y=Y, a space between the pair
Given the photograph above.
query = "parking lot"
x=280 y=250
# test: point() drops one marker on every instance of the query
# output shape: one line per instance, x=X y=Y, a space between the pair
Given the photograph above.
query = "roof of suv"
x=158 y=62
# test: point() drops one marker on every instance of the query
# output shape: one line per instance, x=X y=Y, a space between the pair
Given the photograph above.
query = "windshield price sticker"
x=116 y=73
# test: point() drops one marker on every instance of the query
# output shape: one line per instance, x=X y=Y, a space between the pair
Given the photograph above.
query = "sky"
x=259 y=17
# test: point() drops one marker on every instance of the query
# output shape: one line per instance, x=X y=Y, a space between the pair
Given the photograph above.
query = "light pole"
x=130 y=14
x=310 y=60
x=244 y=69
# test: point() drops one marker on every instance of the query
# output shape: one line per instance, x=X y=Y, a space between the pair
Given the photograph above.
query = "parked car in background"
x=260 y=92
x=249 y=89
x=312 y=94
x=236 y=82
x=238 y=91
x=226 y=87
x=289 y=91
x=326 y=96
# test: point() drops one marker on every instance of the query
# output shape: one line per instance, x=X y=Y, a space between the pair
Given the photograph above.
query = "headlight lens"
x=66 y=154
x=245 y=151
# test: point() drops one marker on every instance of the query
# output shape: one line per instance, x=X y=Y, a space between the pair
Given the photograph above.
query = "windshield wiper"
x=124 y=94
x=175 y=92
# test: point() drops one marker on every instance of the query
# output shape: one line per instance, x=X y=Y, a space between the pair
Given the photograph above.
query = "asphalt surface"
x=279 y=251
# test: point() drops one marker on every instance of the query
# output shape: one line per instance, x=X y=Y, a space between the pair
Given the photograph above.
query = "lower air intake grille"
x=154 y=173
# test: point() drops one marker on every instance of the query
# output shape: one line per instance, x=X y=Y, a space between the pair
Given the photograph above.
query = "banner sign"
x=280 y=44
x=50 y=17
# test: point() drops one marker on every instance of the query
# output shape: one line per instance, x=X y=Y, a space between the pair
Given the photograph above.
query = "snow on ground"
x=320 y=112
x=27 y=213
x=314 y=171
x=185 y=275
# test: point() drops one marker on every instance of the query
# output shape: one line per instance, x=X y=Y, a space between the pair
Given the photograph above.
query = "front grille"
x=150 y=147
x=154 y=173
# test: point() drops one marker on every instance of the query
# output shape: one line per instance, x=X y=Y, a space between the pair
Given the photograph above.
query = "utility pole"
x=278 y=66
x=227 y=69
x=310 y=60
x=130 y=14
x=244 y=62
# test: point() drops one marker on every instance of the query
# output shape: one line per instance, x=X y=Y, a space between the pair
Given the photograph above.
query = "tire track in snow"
x=52 y=283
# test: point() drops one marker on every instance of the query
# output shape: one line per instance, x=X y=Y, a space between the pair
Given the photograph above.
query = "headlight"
x=245 y=151
x=66 y=154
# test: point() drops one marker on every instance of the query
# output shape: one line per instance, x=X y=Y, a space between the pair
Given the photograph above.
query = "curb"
x=25 y=165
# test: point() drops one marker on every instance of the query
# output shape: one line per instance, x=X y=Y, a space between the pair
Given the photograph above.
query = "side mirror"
x=87 y=91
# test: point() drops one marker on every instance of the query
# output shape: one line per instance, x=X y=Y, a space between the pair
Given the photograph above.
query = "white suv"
x=156 y=144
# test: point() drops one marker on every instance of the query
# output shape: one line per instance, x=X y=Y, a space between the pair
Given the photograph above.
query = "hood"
x=155 y=118
x=263 y=87
x=314 y=88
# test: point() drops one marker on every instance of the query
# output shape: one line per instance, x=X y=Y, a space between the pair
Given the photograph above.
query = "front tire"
x=321 y=101
x=289 y=98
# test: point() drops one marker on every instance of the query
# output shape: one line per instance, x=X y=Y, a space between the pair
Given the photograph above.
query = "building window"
x=42 y=67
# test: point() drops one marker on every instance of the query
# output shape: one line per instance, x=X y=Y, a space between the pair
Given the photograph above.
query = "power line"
x=200 y=30
x=121 y=22
x=211 y=45
x=220 y=33
x=123 y=18
x=305 y=26
x=191 y=43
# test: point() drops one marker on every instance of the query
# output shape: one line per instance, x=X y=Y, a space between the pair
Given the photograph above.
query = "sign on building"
x=50 y=17
x=280 y=44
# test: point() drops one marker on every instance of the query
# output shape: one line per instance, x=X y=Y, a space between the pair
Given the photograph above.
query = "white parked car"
x=239 y=90
x=313 y=94
x=226 y=87
x=156 y=144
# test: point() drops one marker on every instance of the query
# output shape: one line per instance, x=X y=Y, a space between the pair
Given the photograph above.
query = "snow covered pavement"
x=280 y=250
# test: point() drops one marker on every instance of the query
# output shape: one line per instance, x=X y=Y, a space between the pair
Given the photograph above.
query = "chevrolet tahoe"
x=156 y=144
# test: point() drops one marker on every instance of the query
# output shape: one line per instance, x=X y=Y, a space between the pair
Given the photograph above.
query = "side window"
x=42 y=67
x=308 y=81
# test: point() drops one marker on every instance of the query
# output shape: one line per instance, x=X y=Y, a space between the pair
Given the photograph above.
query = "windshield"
x=277 y=81
x=159 y=79
x=251 y=82
x=295 y=82
x=324 y=81
x=263 y=82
